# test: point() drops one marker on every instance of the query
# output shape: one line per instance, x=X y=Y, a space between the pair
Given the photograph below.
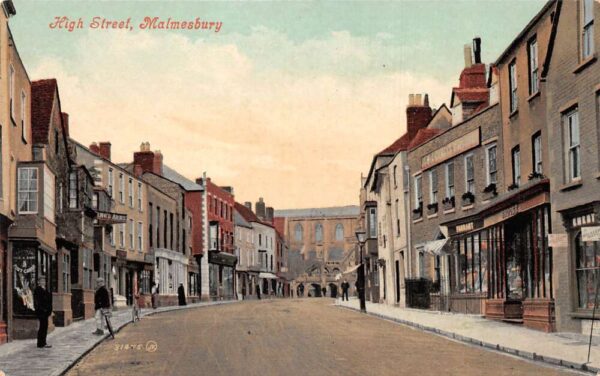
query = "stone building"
x=322 y=245
x=247 y=268
x=385 y=207
x=572 y=91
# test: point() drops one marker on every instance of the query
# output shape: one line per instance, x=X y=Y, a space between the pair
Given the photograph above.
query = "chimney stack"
x=259 y=209
x=418 y=114
x=105 y=149
x=65 y=120
x=477 y=49
x=468 y=57
x=248 y=204
x=94 y=148
x=149 y=161
x=270 y=214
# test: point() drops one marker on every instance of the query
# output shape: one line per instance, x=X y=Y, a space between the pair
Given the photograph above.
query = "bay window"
x=27 y=200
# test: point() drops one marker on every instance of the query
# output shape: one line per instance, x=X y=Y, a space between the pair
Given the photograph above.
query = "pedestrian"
x=258 y=292
x=42 y=303
x=345 y=288
x=181 y=294
x=154 y=295
x=101 y=303
x=324 y=291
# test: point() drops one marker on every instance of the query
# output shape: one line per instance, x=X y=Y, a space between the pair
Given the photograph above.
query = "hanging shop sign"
x=590 y=234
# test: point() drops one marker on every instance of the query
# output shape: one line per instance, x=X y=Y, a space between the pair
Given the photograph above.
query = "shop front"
x=500 y=263
x=221 y=267
x=170 y=270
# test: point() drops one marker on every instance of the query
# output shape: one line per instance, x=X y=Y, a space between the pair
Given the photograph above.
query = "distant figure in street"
x=324 y=292
x=154 y=292
x=301 y=290
x=181 y=294
x=42 y=303
x=101 y=302
x=345 y=288
x=258 y=292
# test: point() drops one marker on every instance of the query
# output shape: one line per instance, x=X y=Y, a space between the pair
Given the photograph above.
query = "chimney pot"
x=426 y=100
x=468 y=57
x=248 y=204
x=477 y=49
x=418 y=100
x=411 y=99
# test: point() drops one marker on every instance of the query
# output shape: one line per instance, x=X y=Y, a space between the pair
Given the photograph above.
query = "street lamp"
x=361 y=236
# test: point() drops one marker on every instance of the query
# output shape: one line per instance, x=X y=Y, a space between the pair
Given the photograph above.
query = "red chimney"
x=95 y=148
x=418 y=114
x=65 y=120
x=105 y=150
x=149 y=161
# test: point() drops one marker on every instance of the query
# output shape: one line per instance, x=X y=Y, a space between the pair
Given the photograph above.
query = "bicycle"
x=107 y=314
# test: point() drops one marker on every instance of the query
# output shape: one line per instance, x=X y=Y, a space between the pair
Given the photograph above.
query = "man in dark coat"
x=181 y=294
x=42 y=303
x=101 y=301
x=345 y=288
x=258 y=291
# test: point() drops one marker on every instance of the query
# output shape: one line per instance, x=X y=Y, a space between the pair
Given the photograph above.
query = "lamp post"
x=360 y=280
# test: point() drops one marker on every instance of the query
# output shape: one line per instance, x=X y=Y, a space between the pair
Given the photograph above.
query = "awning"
x=267 y=275
x=436 y=247
x=351 y=269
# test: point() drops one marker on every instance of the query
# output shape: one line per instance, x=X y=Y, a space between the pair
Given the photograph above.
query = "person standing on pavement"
x=181 y=295
x=258 y=292
x=42 y=303
x=345 y=288
x=154 y=295
x=101 y=302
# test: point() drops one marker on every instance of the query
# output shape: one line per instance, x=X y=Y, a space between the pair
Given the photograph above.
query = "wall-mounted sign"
x=464 y=227
x=451 y=149
x=110 y=218
x=590 y=234
x=558 y=240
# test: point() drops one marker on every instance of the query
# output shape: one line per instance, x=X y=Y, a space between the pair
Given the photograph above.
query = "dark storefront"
x=500 y=264
x=222 y=271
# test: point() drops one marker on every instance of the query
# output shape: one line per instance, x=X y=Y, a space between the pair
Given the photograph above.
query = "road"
x=288 y=337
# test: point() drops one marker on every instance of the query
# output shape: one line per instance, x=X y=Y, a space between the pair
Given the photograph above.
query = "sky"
x=288 y=100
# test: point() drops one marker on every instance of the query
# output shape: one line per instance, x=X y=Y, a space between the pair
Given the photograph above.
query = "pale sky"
x=288 y=101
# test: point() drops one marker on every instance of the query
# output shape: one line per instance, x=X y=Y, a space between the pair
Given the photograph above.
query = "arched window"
x=298 y=232
x=339 y=232
x=319 y=232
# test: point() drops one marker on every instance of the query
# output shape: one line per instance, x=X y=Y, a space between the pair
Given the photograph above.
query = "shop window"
x=27 y=200
x=587 y=265
x=572 y=147
x=587 y=32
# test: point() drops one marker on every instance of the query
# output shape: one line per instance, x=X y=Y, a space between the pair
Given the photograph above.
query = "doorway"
x=397 y=281
x=333 y=290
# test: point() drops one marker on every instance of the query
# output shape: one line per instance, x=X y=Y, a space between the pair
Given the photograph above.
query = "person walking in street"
x=181 y=294
x=345 y=288
x=154 y=295
x=258 y=292
x=101 y=302
x=42 y=303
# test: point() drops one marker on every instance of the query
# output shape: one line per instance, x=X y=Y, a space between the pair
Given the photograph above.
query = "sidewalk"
x=559 y=349
x=69 y=344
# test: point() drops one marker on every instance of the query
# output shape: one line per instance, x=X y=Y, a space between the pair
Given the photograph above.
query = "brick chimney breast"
x=65 y=120
x=105 y=149
x=418 y=114
x=148 y=160
x=94 y=148
x=260 y=209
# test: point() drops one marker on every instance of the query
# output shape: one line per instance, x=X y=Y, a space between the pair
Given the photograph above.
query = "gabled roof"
x=238 y=220
x=248 y=215
x=279 y=223
x=42 y=101
x=176 y=177
x=424 y=135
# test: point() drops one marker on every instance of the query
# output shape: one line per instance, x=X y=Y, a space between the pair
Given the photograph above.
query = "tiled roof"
x=238 y=220
x=400 y=144
x=338 y=211
x=424 y=135
x=42 y=99
x=246 y=213
x=279 y=223
x=176 y=177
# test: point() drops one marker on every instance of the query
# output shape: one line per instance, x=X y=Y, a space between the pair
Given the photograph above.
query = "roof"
x=176 y=177
x=524 y=32
x=248 y=215
x=400 y=144
x=337 y=211
x=279 y=223
x=238 y=220
x=42 y=101
x=424 y=135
